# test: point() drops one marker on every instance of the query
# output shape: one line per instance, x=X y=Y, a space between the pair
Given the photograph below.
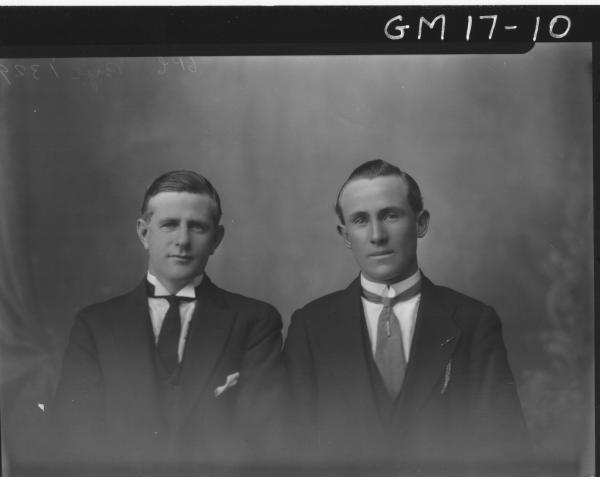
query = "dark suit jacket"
x=458 y=403
x=107 y=406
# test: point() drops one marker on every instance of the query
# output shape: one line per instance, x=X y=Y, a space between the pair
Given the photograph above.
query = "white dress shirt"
x=159 y=306
x=405 y=311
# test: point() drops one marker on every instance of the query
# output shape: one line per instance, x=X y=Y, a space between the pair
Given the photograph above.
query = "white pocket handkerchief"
x=231 y=381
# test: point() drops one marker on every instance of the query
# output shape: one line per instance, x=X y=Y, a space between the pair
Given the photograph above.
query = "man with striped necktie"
x=395 y=371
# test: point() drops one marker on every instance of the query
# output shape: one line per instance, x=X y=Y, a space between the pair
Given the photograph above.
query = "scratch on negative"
x=447 y=374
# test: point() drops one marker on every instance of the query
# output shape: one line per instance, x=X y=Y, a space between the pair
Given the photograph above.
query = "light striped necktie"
x=389 y=350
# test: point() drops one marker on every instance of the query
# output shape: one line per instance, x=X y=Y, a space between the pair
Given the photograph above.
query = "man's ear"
x=422 y=223
x=341 y=229
x=219 y=234
x=142 y=232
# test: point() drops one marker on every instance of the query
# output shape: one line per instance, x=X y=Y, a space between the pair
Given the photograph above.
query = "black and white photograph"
x=298 y=264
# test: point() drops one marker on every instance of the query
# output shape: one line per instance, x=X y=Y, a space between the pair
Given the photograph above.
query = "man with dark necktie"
x=177 y=373
x=394 y=371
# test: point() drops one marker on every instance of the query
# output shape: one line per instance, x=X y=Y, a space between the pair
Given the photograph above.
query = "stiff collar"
x=383 y=289
x=188 y=291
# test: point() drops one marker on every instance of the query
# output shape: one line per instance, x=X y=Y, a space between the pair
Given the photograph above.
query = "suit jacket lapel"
x=209 y=331
x=434 y=340
x=132 y=330
x=339 y=339
x=340 y=354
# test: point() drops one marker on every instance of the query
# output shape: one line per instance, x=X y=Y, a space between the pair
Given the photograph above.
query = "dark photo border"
x=61 y=32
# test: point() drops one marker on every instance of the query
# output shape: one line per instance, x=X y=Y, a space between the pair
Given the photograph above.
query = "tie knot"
x=389 y=301
x=172 y=299
x=176 y=300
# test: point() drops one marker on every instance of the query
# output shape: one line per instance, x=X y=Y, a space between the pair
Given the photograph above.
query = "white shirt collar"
x=382 y=289
x=187 y=291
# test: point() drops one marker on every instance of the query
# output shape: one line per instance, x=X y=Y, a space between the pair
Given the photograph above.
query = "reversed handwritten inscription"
x=50 y=71
x=435 y=28
x=34 y=71
x=91 y=72
x=94 y=75
x=183 y=64
x=4 y=73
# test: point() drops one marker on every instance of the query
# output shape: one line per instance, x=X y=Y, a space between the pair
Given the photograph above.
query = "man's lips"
x=182 y=257
x=382 y=253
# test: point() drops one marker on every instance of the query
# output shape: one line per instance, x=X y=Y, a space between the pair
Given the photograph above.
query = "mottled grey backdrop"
x=500 y=144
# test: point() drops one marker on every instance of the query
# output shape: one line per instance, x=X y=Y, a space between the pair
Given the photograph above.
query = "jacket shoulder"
x=325 y=301
x=467 y=311
x=107 y=307
x=324 y=305
x=457 y=298
x=245 y=305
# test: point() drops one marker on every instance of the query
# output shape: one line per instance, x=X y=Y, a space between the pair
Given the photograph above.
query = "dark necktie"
x=167 y=347
x=168 y=339
x=389 y=350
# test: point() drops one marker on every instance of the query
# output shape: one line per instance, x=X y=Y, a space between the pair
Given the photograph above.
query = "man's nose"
x=182 y=239
x=378 y=232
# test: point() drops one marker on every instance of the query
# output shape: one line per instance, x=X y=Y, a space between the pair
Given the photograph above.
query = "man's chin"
x=384 y=275
x=379 y=277
x=184 y=275
x=187 y=277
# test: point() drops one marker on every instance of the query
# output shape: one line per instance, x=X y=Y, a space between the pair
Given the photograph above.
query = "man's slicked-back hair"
x=182 y=181
x=381 y=168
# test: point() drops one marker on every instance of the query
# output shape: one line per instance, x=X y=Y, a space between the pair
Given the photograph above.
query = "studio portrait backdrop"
x=501 y=146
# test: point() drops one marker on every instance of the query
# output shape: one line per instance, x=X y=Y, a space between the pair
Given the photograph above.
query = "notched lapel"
x=341 y=362
x=209 y=331
x=435 y=338
x=132 y=330
x=338 y=341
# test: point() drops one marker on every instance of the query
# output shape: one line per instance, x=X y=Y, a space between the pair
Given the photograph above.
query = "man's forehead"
x=173 y=201
x=384 y=190
x=176 y=197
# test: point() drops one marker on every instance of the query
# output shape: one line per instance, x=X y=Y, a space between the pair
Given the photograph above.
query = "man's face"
x=381 y=227
x=180 y=236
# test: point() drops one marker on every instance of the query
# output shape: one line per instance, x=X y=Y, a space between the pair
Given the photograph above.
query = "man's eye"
x=198 y=227
x=169 y=225
x=359 y=220
x=391 y=216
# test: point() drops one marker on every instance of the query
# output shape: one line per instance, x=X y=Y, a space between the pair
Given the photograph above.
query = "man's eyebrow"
x=393 y=208
x=164 y=220
x=197 y=222
x=359 y=213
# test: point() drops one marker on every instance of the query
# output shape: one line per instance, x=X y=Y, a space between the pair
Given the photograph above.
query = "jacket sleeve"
x=77 y=413
x=259 y=405
x=500 y=429
x=301 y=390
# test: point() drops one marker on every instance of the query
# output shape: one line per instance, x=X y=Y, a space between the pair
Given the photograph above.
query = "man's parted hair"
x=182 y=181
x=381 y=168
